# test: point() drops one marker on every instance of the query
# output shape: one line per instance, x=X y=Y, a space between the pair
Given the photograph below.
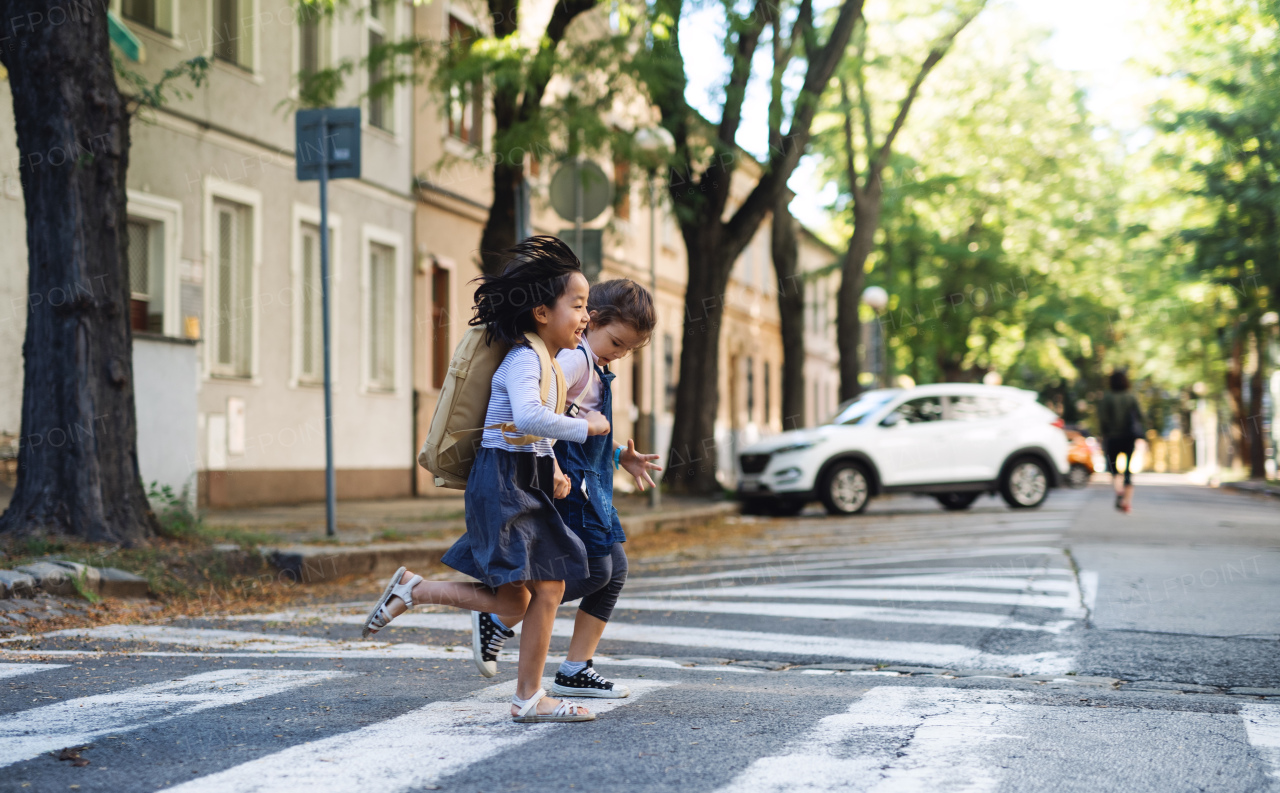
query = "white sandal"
x=565 y=711
x=380 y=616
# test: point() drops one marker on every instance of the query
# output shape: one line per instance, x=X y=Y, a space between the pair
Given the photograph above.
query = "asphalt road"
x=1068 y=648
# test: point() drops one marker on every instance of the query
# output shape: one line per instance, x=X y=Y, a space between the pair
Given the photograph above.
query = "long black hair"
x=536 y=274
x=1119 y=380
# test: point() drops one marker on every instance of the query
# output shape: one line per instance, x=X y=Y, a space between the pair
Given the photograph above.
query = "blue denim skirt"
x=514 y=532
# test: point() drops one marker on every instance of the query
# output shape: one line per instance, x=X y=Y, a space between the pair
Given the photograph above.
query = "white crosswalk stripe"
x=898 y=739
x=14 y=670
x=827 y=611
x=29 y=733
x=417 y=749
x=1262 y=725
x=786 y=645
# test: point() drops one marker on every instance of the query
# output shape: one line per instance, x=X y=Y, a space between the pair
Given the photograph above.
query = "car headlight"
x=797 y=447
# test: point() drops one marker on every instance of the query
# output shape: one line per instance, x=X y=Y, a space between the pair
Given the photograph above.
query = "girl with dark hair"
x=516 y=543
x=1121 y=424
x=622 y=319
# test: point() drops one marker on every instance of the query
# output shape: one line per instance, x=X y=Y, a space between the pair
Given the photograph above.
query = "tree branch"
x=540 y=69
x=936 y=53
x=735 y=90
x=850 y=163
x=864 y=102
x=783 y=160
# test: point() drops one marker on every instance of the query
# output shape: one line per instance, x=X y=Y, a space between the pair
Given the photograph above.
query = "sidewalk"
x=375 y=537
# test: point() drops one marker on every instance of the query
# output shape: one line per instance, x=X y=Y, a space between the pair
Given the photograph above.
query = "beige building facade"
x=224 y=248
x=452 y=151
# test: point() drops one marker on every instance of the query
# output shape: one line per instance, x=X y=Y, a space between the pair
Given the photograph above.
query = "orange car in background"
x=1080 y=455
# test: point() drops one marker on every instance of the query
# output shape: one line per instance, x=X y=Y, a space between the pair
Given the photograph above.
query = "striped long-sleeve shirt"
x=514 y=397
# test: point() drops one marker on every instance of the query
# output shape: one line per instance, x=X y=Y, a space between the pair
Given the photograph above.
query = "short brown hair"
x=623 y=300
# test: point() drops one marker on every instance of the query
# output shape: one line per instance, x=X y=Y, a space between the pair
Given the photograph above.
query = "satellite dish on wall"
x=580 y=186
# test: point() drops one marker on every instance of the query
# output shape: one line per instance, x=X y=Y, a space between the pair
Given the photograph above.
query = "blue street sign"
x=341 y=135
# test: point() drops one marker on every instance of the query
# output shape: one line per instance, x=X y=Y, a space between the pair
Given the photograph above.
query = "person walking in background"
x=1121 y=424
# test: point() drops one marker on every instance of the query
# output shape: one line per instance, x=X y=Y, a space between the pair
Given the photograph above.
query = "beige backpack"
x=457 y=425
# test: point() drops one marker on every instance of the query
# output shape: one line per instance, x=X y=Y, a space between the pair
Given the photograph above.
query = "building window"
x=382 y=317
x=309 y=41
x=465 y=100
x=440 y=325
x=310 y=286
x=232 y=283
x=381 y=95
x=154 y=14
x=751 y=389
x=146 y=276
x=669 y=370
x=231 y=33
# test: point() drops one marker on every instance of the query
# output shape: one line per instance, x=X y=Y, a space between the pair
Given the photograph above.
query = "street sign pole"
x=655 y=494
x=327 y=146
x=577 y=204
x=330 y=478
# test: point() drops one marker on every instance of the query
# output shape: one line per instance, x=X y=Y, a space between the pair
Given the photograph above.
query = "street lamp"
x=878 y=300
x=655 y=144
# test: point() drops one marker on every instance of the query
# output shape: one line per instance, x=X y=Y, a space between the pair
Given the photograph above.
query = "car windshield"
x=857 y=410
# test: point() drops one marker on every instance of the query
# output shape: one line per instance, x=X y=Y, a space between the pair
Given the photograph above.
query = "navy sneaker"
x=587 y=684
x=486 y=642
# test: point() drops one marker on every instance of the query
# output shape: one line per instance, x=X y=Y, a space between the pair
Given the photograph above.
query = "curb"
x=56 y=578
x=310 y=564
x=1259 y=488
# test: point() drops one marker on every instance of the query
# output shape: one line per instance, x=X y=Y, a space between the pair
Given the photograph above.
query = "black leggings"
x=600 y=590
x=1113 y=448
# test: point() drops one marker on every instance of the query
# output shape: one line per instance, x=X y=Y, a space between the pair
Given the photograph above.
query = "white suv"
x=953 y=441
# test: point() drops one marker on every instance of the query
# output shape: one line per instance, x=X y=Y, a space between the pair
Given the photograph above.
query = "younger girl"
x=622 y=319
x=516 y=543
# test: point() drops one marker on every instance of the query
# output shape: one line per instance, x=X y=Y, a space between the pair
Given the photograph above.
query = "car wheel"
x=845 y=489
x=1025 y=483
x=956 y=501
x=1078 y=476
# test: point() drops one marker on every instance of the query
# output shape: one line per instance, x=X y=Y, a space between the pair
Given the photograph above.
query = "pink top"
x=582 y=379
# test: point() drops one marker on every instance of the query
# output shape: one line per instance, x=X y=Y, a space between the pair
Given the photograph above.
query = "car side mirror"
x=892 y=420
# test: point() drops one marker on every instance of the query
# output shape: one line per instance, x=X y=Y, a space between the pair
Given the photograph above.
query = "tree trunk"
x=691 y=464
x=77 y=459
x=866 y=218
x=1235 y=395
x=500 y=227
x=1257 y=442
x=786 y=255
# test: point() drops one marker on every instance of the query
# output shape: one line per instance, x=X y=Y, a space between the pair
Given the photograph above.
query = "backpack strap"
x=549 y=366
x=572 y=410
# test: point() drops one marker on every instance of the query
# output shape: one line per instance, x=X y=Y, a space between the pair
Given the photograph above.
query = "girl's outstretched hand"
x=639 y=465
x=597 y=424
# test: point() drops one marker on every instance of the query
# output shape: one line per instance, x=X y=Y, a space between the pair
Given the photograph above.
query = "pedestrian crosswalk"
x=973 y=576
x=970 y=596
x=888 y=738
